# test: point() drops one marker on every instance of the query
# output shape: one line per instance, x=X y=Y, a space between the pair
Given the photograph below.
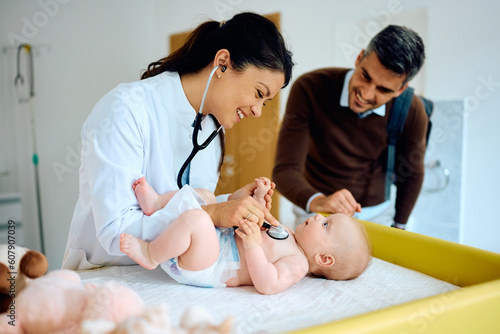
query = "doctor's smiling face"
x=241 y=94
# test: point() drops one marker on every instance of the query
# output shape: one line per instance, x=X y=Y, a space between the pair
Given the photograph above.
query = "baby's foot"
x=146 y=196
x=263 y=186
x=137 y=249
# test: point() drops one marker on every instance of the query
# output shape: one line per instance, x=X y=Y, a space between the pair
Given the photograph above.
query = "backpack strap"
x=429 y=108
x=395 y=125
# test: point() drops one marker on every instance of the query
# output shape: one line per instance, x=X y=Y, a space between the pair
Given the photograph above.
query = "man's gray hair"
x=400 y=49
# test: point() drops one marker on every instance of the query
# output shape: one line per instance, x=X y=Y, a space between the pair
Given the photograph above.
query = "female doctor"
x=145 y=128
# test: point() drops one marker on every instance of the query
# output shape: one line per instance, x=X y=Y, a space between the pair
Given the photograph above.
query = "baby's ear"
x=324 y=260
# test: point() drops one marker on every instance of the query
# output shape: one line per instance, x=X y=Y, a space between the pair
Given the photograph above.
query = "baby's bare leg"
x=191 y=237
x=263 y=186
x=149 y=200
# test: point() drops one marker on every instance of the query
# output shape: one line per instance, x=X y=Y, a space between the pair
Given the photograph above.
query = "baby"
x=192 y=251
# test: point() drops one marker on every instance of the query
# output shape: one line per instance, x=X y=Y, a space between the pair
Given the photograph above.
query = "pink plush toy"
x=58 y=302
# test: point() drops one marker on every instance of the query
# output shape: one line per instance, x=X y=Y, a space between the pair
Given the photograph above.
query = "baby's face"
x=321 y=232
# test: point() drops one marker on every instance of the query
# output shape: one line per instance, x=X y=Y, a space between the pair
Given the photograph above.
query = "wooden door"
x=250 y=145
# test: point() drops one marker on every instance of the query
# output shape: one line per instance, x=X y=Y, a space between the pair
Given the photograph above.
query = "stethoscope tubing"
x=197 y=126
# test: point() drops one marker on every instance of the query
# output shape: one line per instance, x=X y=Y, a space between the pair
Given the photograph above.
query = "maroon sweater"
x=323 y=147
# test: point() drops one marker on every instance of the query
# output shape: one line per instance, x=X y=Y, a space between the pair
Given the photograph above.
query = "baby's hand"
x=250 y=234
x=263 y=183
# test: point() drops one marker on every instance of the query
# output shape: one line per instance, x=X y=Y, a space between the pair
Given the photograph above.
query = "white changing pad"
x=313 y=301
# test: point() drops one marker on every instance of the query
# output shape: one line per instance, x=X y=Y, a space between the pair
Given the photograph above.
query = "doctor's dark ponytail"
x=187 y=58
x=251 y=39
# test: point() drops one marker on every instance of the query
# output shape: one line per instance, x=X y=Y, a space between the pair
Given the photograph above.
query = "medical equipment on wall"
x=439 y=174
x=19 y=78
x=19 y=82
x=197 y=127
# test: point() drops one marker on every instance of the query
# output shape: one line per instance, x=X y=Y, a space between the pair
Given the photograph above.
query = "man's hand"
x=341 y=201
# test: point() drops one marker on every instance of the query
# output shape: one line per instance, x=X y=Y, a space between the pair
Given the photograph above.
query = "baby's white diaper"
x=217 y=274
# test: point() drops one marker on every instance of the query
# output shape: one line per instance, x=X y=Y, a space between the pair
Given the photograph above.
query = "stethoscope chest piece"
x=276 y=232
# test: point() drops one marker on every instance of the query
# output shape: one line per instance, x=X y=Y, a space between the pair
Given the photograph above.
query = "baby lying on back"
x=193 y=251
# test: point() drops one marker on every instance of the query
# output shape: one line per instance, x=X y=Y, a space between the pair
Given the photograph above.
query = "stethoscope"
x=275 y=232
x=196 y=128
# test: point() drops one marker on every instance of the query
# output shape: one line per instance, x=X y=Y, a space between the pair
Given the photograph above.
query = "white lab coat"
x=142 y=128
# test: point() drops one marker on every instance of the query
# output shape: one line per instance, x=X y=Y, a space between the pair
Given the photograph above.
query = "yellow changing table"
x=473 y=309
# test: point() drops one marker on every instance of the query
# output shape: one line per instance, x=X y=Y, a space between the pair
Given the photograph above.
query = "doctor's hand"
x=249 y=190
x=341 y=201
x=232 y=212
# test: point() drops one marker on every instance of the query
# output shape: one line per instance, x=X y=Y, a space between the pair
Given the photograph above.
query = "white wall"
x=463 y=62
x=94 y=45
